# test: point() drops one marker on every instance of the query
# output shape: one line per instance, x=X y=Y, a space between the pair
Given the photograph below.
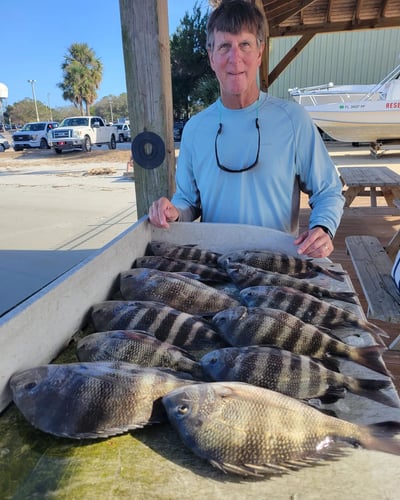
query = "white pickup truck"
x=81 y=132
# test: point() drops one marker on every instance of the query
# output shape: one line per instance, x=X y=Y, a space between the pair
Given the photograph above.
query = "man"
x=246 y=158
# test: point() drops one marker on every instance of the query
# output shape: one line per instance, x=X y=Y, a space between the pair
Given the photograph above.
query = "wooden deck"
x=361 y=219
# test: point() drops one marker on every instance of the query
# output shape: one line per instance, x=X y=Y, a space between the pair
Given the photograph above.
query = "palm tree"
x=82 y=73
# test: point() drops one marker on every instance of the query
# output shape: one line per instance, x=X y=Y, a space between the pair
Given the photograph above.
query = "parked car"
x=124 y=132
x=178 y=128
x=4 y=144
x=33 y=135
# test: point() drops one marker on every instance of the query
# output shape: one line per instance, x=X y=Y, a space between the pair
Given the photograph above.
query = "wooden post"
x=145 y=40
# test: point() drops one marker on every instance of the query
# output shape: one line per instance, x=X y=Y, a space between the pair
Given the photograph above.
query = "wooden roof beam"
x=278 y=31
x=288 y=58
x=284 y=12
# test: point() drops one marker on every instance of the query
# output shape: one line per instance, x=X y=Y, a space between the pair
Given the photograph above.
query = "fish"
x=280 y=263
x=92 y=400
x=183 y=293
x=138 y=347
x=205 y=272
x=307 y=308
x=251 y=431
x=295 y=375
x=245 y=276
x=165 y=323
x=187 y=252
x=245 y=326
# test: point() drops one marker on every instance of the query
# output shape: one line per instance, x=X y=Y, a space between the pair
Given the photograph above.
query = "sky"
x=36 y=36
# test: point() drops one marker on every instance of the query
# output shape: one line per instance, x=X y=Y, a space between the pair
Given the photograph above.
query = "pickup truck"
x=33 y=135
x=82 y=132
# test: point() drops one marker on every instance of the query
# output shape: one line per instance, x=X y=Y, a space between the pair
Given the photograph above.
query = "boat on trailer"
x=372 y=117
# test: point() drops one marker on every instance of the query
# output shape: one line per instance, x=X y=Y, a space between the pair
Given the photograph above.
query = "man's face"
x=235 y=60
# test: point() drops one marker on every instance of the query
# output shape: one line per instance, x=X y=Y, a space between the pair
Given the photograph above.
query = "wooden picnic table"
x=380 y=181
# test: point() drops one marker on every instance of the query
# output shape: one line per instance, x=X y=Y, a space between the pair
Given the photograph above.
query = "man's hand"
x=314 y=243
x=161 y=212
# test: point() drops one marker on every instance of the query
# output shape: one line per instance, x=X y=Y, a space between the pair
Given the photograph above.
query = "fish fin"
x=371 y=389
x=375 y=438
x=336 y=275
x=304 y=275
x=335 y=452
x=370 y=357
x=345 y=297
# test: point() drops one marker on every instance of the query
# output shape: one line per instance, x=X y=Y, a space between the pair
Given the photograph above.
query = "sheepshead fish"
x=307 y=308
x=238 y=427
x=186 y=252
x=280 y=263
x=92 y=400
x=173 y=289
x=138 y=347
x=205 y=272
x=291 y=374
x=245 y=276
x=165 y=323
x=242 y=326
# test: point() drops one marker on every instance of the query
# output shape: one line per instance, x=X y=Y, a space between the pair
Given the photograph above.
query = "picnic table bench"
x=373 y=268
x=380 y=181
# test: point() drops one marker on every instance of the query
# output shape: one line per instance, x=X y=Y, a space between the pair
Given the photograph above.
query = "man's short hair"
x=232 y=16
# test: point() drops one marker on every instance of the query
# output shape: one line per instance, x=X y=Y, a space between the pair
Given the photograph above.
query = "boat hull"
x=359 y=121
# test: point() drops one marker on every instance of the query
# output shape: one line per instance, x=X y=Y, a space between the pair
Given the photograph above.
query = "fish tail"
x=375 y=331
x=375 y=439
x=370 y=357
x=336 y=275
x=345 y=296
x=370 y=388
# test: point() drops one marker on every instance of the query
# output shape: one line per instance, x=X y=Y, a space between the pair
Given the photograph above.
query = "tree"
x=189 y=62
x=112 y=107
x=82 y=73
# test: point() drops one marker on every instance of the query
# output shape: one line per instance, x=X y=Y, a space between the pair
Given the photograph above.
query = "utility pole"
x=32 y=82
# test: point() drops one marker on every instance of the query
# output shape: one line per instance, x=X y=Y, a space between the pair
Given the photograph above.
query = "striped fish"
x=242 y=326
x=138 y=347
x=291 y=374
x=175 y=290
x=165 y=323
x=280 y=263
x=206 y=272
x=186 y=252
x=245 y=276
x=307 y=308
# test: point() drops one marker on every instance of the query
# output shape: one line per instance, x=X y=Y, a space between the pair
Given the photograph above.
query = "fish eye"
x=29 y=386
x=183 y=409
x=213 y=359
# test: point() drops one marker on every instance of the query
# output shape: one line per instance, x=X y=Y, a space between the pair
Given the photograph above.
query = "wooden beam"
x=335 y=27
x=288 y=58
x=145 y=40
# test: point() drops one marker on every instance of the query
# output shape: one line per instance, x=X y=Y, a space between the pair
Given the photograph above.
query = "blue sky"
x=35 y=37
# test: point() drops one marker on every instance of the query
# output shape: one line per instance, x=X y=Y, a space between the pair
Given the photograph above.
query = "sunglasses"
x=244 y=169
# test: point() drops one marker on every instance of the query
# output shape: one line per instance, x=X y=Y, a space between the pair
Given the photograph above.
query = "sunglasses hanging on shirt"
x=244 y=169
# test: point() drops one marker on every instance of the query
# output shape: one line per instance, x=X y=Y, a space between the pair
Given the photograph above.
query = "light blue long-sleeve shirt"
x=292 y=157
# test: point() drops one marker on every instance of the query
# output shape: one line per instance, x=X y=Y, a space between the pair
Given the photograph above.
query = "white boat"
x=330 y=93
x=372 y=118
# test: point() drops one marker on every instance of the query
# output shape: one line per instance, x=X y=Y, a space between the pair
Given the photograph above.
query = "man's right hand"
x=161 y=212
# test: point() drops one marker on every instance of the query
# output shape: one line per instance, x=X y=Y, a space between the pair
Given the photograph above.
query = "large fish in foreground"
x=307 y=308
x=249 y=430
x=173 y=289
x=291 y=374
x=186 y=252
x=280 y=263
x=242 y=326
x=138 y=347
x=165 y=323
x=92 y=400
x=245 y=276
